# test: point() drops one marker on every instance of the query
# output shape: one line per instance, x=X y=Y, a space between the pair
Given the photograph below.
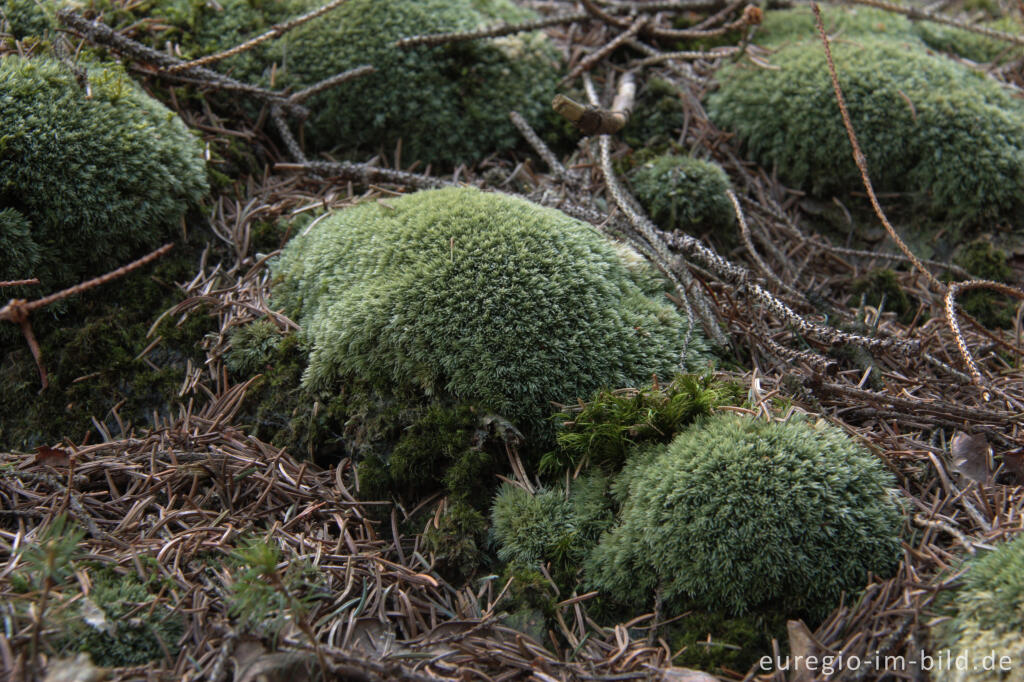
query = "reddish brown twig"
x=18 y=282
x=17 y=310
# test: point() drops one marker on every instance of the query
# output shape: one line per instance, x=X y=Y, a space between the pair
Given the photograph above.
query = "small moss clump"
x=552 y=527
x=880 y=288
x=951 y=138
x=987 y=617
x=100 y=171
x=657 y=117
x=482 y=297
x=602 y=431
x=134 y=632
x=985 y=260
x=685 y=194
x=740 y=515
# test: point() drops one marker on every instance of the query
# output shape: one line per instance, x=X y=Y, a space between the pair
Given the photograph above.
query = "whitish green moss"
x=484 y=297
x=797 y=24
x=683 y=193
x=987 y=618
x=951 y=138
x=739 y=515
x=100 y=171
x=551 y=525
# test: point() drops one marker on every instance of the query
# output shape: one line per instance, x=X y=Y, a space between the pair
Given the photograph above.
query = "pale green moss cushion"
x=951 y=138
x=482 y=296
x=987 y=618
x=738 y=515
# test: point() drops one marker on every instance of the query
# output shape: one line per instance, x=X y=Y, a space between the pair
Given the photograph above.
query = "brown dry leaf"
x=53 y=457
x=1013 y=463
x=972 y=456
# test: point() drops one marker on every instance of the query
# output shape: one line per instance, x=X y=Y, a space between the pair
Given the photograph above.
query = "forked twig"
x=593 y=120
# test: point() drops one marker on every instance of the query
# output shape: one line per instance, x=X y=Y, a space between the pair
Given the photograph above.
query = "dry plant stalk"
x=950 y=305
x=18 y=310
x=275 y=32
x=859 y=159
x=593 y=120
x=18 y=282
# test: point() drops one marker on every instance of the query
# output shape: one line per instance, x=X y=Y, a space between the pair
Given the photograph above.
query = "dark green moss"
x=657 y=117
x=551 y=527
x=101 y=172
x=26 y=18
x=90 y=353
x=984 y=260
x=602 y=431
x=881 y=285
x=712 y=641
x=136 y=632
x=457 y=542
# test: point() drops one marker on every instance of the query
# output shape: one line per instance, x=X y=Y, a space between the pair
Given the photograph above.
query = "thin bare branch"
x=275 y=32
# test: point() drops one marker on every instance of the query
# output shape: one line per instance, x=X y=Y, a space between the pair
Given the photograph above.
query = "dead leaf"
x=972 y=456
x=95 y=617
x=52 y=457
x=1013 y=464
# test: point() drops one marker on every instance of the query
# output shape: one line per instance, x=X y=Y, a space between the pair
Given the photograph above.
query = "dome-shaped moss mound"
x=99 y=171
x=683 y=193
x=739 y=515
x=447 y=104
x=484 y=297
x=987 y=619
x=551 y=526
x=929 y=127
